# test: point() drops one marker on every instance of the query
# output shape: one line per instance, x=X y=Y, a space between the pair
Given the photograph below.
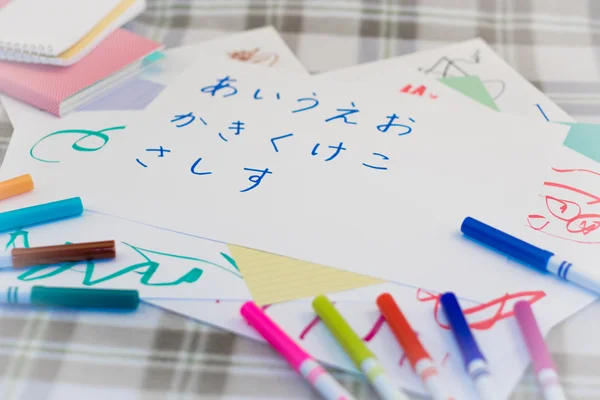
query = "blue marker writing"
x=475 y=363
x=529 y=254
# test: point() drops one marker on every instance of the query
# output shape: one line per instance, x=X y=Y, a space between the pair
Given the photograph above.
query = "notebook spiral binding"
x=23 y=51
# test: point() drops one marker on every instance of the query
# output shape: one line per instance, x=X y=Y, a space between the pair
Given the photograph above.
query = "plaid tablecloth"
x=152 y=354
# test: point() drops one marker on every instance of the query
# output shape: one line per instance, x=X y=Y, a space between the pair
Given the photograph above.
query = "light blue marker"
x=41 y=213
x=529 y=254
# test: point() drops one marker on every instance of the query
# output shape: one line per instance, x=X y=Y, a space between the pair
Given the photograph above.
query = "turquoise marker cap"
x=84 y=297
x=41 y=213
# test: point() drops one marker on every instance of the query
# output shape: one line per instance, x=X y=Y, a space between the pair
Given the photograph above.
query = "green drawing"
x=231 y=260
x=87 y=134
x=14 y=236
x=147 y=268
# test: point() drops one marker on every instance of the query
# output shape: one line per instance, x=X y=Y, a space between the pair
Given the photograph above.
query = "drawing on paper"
x=446 y=67
x=255 y=56
x=146 y=268
x=572 y=211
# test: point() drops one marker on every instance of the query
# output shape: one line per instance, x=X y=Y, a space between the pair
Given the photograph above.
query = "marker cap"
x=40 y=213
x=462 y=333
x=72 y=252
x=540 y=355
x=343 y=333
x=15 y=186
x=410 y=343
x=273 y=334
x=506 y=243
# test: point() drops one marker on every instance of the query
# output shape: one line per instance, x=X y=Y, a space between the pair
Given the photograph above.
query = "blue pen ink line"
x=542 y=111
x=141 y=163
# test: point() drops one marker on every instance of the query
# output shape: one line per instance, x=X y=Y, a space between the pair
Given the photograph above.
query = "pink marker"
x=299 y=359
x=538 y=351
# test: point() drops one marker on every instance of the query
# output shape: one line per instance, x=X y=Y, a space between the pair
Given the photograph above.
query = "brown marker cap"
x=63 y=253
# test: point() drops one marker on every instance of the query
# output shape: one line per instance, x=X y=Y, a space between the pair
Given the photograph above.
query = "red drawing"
x=255 y=56
x=483 y=316
x=418 y=91
x=446 y=359
x=574 y=213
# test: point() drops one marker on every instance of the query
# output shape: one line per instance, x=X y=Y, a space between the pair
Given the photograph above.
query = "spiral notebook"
x=59 y=90
x=46 y=32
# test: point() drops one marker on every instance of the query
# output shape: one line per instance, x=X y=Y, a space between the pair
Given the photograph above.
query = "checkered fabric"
x=151 y=354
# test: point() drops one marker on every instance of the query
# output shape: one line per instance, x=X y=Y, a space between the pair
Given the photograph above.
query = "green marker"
x=70 y=297
x=363 y=358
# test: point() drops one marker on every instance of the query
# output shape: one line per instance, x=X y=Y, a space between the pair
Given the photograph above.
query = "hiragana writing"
x=278 y=138
x=223 y=84
x=256 y=179
x=384 y=157
x=189 y=116
x=314 y=102
x=161 y=153
x=195 y=164
x=345 y=112
x=405 y=129
x=237 y=127
x=340 y=147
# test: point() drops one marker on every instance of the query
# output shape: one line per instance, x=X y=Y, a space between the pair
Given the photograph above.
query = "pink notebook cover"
x=47 y=86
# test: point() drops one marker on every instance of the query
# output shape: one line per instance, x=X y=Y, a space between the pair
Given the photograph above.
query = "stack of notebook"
x=58 y=62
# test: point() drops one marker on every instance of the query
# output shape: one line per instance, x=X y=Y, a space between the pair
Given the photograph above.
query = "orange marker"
x=419 y=358
x=19 y=185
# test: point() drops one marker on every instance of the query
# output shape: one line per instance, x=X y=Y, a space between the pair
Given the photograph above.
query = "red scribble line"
x=487 y=322
x=312 y=323
x=445 y=359
x=402 y=360
x=560 y=237
x=380 y=321
x=536 y=216
x=576 y=170
x=571 y=188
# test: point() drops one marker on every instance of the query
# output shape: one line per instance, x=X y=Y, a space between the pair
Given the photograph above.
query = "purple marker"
x=543 y=364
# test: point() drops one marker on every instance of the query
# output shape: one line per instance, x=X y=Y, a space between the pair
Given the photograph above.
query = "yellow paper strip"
x=96 y=30
x=273 y=279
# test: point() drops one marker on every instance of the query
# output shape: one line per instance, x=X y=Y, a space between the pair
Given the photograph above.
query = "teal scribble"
x=230 y=260
x=76 y=146
x=147 y=268
x=141 y=251
x=16 y=235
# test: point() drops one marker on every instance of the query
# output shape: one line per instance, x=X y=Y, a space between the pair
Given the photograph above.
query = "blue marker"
x=529 y=254
x=70 y=297
x=41 y=213
x=475 y=363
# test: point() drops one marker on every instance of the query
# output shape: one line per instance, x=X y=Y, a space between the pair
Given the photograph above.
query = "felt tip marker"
x=419 y=358
x=47 y=255
x=15 y=186
x=40 y=213
x=297 y=357
x=518 y=249
x=475 y=363
x=545 y=370
x=363 y=358
x=70 y=297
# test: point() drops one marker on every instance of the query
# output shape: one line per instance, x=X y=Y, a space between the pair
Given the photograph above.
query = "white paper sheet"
x=324 y=226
